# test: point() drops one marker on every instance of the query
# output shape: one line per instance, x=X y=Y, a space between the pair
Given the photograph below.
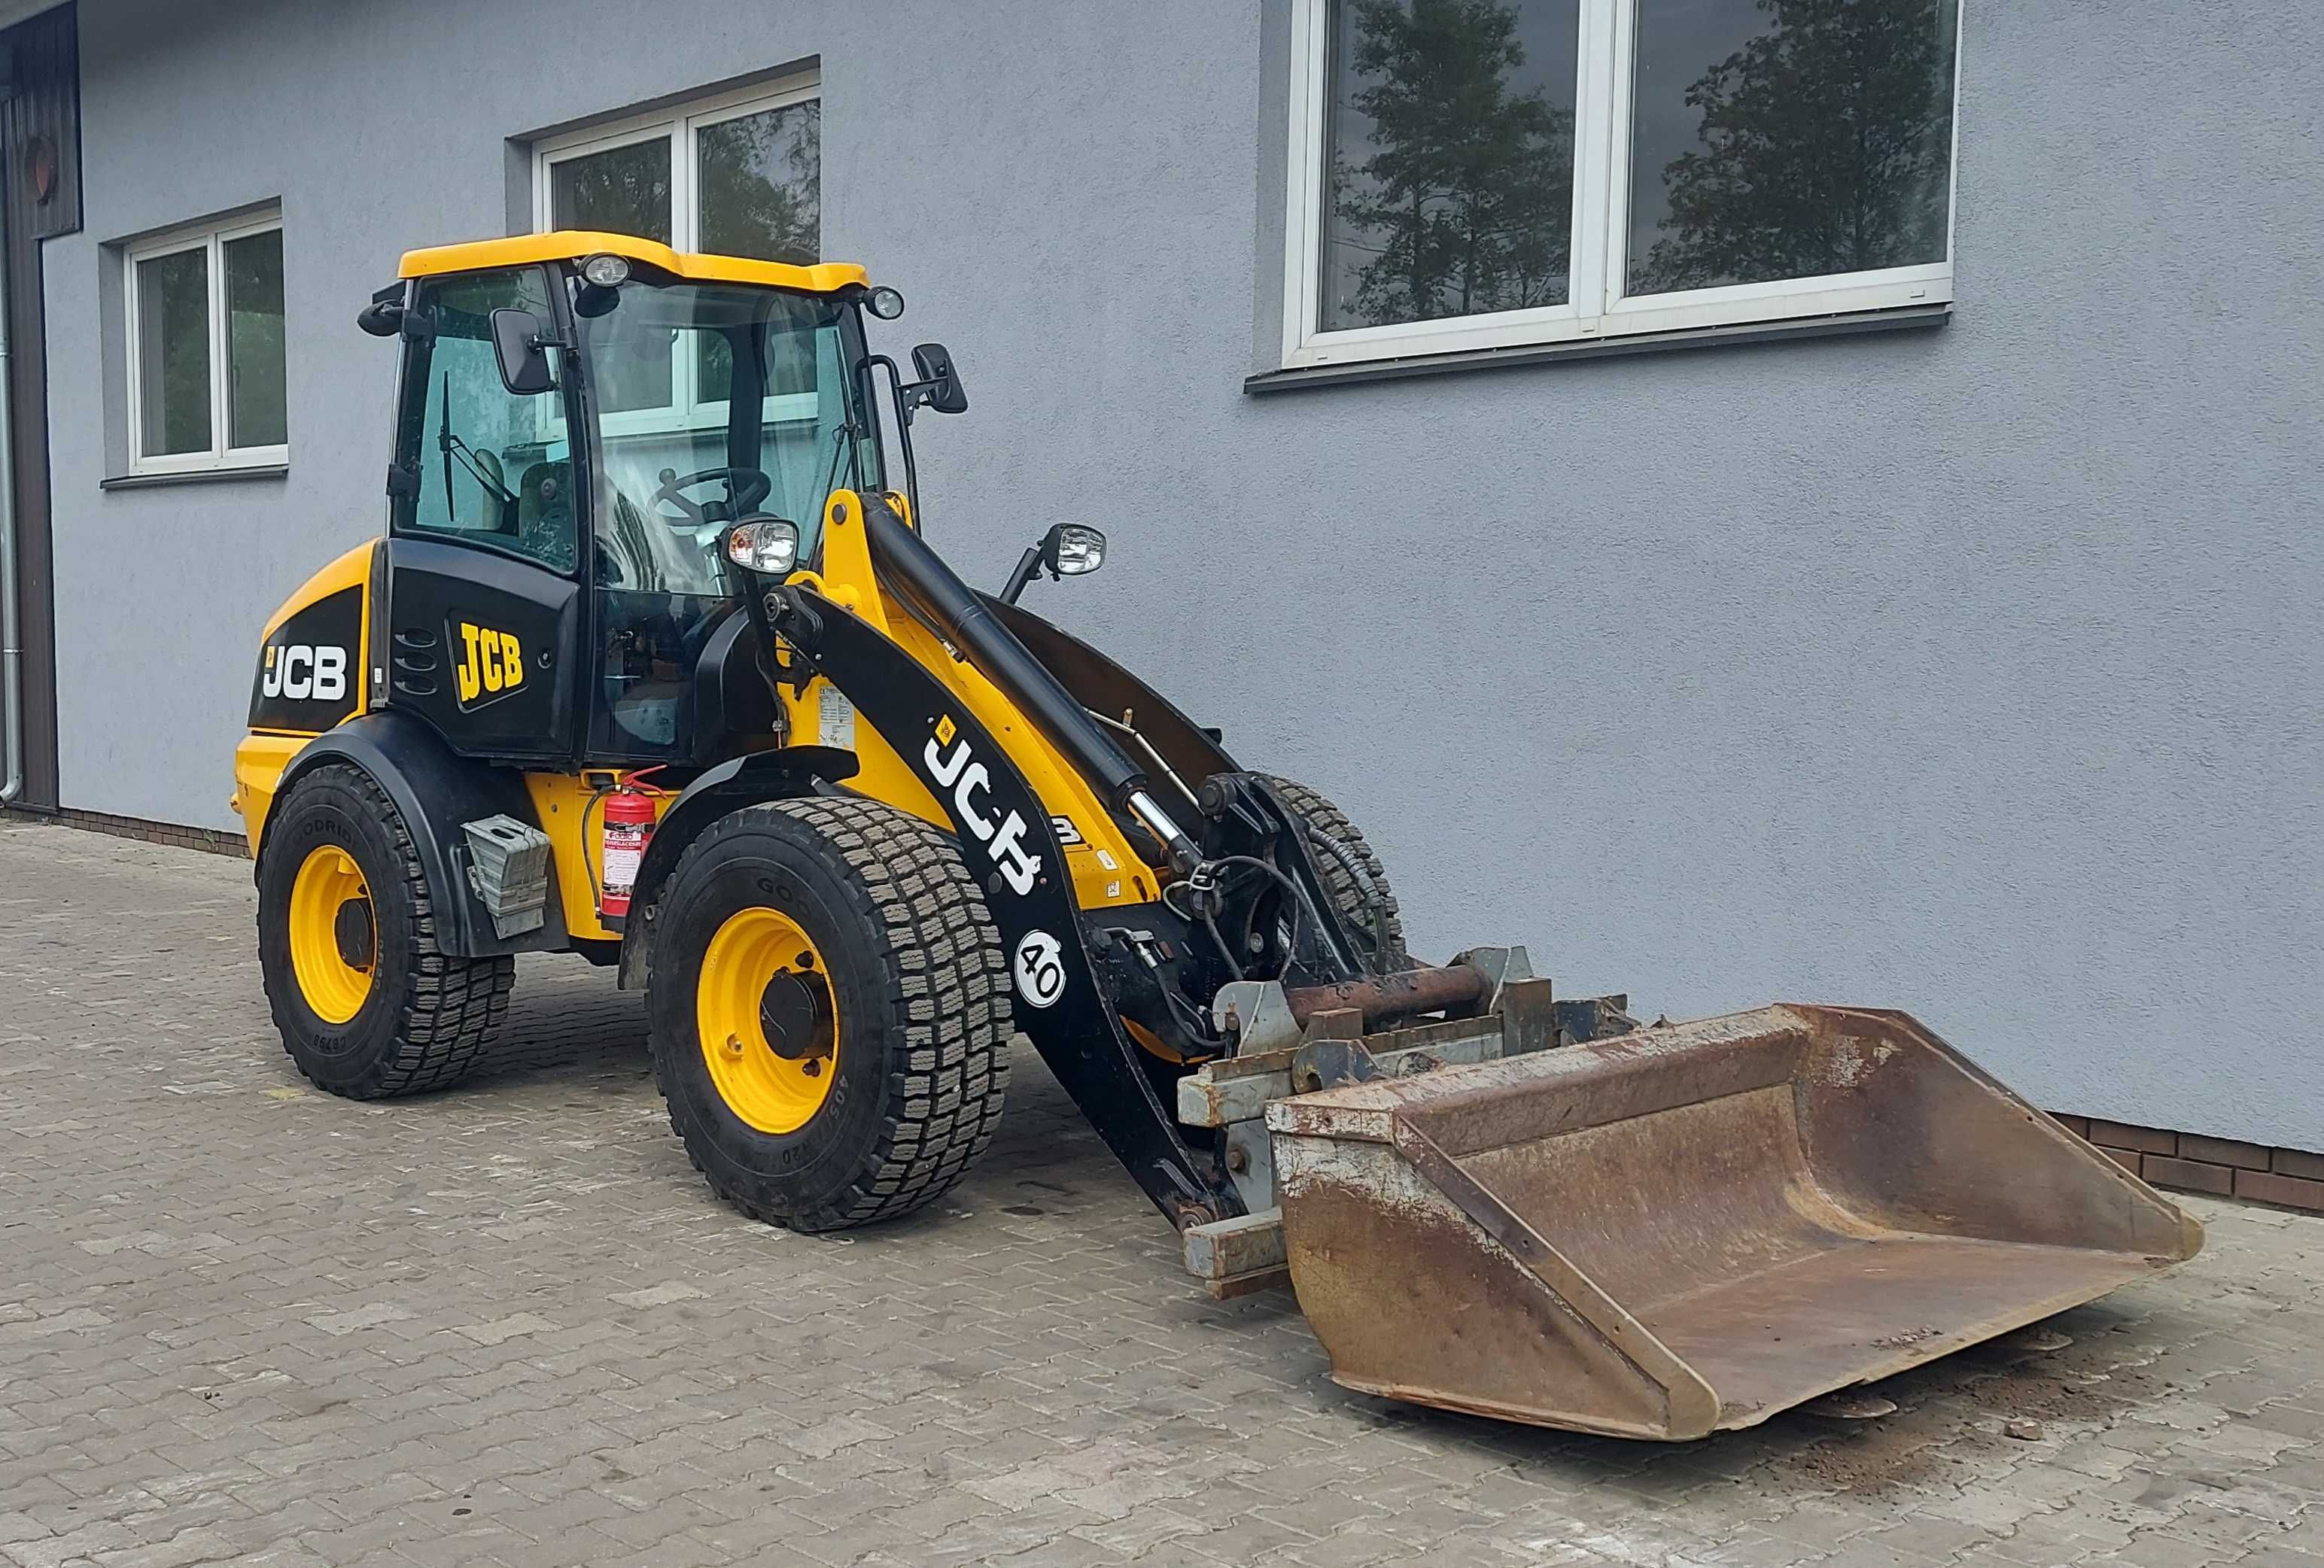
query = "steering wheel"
x=748 y=487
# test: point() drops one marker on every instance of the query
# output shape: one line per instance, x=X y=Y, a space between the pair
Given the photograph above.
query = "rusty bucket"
x=1693 y=1227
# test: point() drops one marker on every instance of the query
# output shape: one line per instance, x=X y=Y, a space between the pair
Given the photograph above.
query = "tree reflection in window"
x=1451 y=158
x=1819 y=143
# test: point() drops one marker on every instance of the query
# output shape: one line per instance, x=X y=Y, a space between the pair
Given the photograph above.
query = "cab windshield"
x=714 y=401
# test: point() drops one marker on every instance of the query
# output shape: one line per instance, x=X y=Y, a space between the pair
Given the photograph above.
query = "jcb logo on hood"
x=966 y=777
x=303 y=673
x=490 y=664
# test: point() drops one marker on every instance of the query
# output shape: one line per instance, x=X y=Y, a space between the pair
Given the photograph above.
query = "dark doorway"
x=40 y=198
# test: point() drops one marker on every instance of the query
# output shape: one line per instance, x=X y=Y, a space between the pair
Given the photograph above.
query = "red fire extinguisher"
x=630 y=816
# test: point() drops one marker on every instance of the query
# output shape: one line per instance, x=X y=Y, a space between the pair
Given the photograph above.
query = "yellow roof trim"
x=573 y=245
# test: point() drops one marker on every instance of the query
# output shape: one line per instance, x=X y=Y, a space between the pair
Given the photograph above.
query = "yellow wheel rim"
x=769 y=1029
x=334 y=934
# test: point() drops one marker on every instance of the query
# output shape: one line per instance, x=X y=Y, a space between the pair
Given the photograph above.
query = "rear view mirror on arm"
x=517 y=341
x=938 y=387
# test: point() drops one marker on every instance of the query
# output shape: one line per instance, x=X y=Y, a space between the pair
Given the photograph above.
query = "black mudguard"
x=1013 y=852
x=434 y=791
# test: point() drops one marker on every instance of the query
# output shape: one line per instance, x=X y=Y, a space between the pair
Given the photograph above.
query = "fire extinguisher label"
x=621 y=861
x=835 y=720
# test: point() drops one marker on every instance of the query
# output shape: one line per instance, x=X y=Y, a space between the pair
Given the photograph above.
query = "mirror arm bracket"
x=1029 y=565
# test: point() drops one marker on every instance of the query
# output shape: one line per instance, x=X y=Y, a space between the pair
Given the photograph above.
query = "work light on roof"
x=607 y=272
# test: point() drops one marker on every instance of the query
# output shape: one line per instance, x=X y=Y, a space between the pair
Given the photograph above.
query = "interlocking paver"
x=243 y=1322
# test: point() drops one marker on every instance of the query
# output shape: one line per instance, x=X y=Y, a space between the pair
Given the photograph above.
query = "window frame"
x=678 y=125
x=210 y=237
x=1596 y=308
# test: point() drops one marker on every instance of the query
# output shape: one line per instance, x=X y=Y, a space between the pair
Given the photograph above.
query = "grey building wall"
x=1974 y=672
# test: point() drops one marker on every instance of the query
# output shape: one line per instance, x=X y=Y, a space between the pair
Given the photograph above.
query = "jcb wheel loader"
x=654 y=664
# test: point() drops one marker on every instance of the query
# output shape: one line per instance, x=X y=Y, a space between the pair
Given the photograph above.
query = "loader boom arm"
x=1071 y=1021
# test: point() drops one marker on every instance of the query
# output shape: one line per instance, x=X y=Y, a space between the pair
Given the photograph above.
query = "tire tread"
x=1356 y=902
x=451 y=1006
x=946 y=980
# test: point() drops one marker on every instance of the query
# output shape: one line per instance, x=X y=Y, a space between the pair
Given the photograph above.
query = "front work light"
x=607 y=272
x=766 y=545
x=885 y=302
x=1077 y=548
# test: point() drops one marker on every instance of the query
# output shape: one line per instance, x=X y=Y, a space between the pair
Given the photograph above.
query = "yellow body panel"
x=350 y=570
x=561 y=801
x=258 y=765
x=573 y=245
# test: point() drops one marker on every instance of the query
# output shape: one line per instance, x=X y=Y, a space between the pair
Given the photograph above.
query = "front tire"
x=829 y=1011
x=368 y=1005
x=1352 y=871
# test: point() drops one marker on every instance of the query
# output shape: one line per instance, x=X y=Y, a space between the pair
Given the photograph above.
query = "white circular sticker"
x=1039 y=968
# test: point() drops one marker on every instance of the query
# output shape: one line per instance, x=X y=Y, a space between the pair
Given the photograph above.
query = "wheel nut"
x=734 y=1045
x=811 y=1067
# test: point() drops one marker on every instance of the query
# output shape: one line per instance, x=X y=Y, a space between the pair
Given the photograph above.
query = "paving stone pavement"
x=242 y=1322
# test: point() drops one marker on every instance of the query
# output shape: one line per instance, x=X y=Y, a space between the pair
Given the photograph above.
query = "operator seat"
x=544 y=513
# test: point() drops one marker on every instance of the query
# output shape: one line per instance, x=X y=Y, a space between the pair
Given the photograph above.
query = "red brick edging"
x=2189 y=1162
x=210 y=840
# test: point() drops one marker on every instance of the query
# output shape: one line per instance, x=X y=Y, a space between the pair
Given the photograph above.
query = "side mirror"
x=525 y=358
x=382 y=318
x=938 y=387
x=1069 y=549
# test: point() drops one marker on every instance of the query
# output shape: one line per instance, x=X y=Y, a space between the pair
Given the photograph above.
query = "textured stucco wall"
x=1974 y=672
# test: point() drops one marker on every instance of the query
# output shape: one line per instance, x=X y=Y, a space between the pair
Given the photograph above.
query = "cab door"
x=485 y=591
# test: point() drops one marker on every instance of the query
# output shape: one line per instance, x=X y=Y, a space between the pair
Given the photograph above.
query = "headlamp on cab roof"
x=605 y=271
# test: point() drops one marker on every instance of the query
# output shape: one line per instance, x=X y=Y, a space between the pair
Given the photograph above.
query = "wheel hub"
x=357 y=938
x=766 y=1021
x=334 y=934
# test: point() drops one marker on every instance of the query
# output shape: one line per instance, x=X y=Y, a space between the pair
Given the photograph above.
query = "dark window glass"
x=173 y=354
x=1788 y=139
x=762 y=184
x=670 y=486
x=621 y=191
x=256 y=403
x=1448 y=159
x=494 y=469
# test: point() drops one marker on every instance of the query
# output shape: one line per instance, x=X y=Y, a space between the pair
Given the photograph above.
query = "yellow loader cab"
x=654 y=664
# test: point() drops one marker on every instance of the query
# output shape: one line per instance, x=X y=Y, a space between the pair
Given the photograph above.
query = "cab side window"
x=495 y=469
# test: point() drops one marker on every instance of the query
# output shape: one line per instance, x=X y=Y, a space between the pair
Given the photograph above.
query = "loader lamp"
x=606 y=272
x=1079 y=549
x=768 y=545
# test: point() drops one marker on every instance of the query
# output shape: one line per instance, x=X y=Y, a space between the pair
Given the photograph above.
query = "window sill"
x=1371 y=370
x=196 y=476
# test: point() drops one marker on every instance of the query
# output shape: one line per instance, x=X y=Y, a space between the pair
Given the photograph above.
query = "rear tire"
x=907 y=990
x=366 y=1015
x=1352 y=874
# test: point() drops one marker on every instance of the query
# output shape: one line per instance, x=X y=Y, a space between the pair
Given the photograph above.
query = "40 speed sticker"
x=1039 y=968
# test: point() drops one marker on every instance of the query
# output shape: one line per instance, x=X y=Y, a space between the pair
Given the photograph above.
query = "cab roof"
x=574 y=244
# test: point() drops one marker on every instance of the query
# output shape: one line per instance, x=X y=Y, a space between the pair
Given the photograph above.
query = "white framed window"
x=1480 y=174
x=740 y=174
x=204 y=328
